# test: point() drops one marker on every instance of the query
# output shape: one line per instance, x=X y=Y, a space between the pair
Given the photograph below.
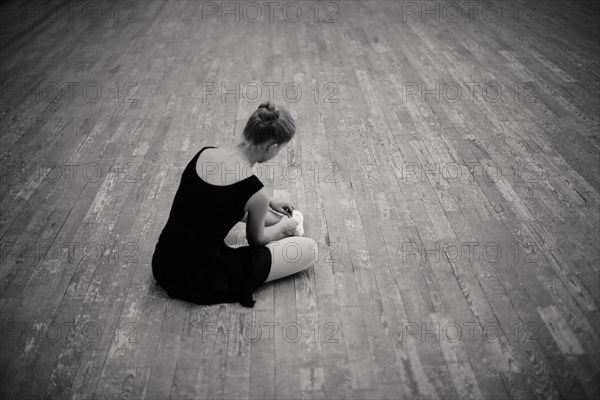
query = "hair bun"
x=269 y=113
x=268 y=105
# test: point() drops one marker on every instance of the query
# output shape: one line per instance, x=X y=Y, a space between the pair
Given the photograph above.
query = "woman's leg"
x=271 y=219
x=291 y=255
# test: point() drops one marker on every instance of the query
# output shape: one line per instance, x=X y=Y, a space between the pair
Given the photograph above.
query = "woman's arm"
x=256 y=232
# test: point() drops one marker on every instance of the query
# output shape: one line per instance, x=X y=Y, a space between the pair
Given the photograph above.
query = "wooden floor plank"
x=393 y=181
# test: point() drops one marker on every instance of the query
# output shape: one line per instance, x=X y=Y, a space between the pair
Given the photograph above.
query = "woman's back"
x=212 y=205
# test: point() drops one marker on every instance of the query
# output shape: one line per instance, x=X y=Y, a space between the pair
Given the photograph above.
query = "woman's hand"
x=282 y=206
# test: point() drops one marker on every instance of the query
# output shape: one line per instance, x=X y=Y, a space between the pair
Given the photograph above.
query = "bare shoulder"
x=206 y=156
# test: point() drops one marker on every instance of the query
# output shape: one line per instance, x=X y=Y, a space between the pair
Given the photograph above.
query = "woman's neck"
x=246 y=152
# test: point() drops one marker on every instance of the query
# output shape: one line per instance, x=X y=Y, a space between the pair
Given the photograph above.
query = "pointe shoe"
x=297 y=215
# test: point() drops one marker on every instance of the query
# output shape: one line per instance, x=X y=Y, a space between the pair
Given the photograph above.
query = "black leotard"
x=191 y=260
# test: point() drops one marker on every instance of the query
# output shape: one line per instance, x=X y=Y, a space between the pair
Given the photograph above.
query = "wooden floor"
x=448 y=170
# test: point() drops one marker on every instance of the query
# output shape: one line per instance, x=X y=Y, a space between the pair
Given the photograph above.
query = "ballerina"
x=191 y=260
